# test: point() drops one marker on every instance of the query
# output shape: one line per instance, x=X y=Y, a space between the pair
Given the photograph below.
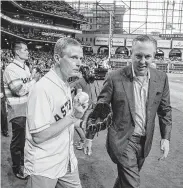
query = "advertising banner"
x=163 y=43
x=177 y=44
x=171 y=35
x=118 y=41
x=129 y=42
x=101 y=41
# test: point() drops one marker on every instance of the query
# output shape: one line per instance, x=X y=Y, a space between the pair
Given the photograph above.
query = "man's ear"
x=16 y=52
x=154 y=54
x=57 y=58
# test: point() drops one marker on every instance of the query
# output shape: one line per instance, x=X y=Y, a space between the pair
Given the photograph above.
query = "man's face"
x=71 y=61
x=142 y=56
x=23 y=53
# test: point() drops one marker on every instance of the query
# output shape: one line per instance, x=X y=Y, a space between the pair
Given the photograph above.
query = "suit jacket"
x=118 y=90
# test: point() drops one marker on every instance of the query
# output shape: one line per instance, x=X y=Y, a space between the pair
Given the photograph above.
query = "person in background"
x=18 y=83
x=84 y=84
x=4 y=120
x=136 y=93
x=50 y=161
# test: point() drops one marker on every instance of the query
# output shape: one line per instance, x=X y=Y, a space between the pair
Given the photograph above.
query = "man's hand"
x=87 y=147
x=164 y=146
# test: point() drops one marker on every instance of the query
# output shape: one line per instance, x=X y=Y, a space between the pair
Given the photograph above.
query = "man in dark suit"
x=136 y=93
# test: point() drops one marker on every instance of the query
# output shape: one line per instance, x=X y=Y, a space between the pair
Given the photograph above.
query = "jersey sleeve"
x=38 y=110
x=16 y=84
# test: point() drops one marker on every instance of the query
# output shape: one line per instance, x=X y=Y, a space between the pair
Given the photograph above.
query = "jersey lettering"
x=64 y=110
x=25 y=80
x=57 y=117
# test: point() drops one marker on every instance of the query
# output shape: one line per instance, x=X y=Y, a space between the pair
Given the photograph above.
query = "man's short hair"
x=145 y=38
x=18 y=46
x=62 y=43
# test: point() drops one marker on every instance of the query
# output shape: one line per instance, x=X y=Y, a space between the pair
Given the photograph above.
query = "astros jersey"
x=17 y=83
x=49 y=102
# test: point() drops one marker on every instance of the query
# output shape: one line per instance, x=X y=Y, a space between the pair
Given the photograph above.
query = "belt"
x=138 y=139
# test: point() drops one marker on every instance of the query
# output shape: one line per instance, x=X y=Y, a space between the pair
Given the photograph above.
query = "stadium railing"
x=162 y=67
x=170 y=67
x=118 y=63
x=176 y=68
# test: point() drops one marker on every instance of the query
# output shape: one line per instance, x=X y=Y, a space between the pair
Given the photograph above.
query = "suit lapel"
x=153 y=84
x=127 y=81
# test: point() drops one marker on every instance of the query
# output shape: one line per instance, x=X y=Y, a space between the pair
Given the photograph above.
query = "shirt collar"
x=57 y=80
x=22 y=65
x=134 y=75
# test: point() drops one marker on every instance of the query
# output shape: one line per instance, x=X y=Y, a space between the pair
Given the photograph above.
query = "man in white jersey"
x=18 y=82
x=49 y=155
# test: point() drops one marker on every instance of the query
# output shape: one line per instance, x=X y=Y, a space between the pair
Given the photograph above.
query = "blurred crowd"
x=44 y=60
x=123 y=56
x=6 y=57
x=60 y=8
x=29 y=34
x=40 y=59
x=175 y=58
x=32 y=18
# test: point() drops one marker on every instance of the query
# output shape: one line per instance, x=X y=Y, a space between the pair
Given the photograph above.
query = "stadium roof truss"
x=133 y=16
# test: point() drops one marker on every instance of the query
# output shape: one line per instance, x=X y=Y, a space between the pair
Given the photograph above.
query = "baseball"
x=82 y=98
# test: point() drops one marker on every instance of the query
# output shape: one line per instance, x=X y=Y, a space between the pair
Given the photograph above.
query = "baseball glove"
x=99 y=119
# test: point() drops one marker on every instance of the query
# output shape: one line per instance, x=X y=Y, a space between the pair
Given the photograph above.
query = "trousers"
x=69 y=180
x=17 y=142
x=4 y=121
x=131 y=163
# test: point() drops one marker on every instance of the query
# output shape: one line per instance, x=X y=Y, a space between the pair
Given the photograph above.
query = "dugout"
x=159 y=54
x=122 y=50
x=175 y=53
x=103 y=50
x=87 y=50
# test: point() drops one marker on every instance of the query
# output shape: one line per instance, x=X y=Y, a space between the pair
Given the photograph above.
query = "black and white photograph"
x=92 y=94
